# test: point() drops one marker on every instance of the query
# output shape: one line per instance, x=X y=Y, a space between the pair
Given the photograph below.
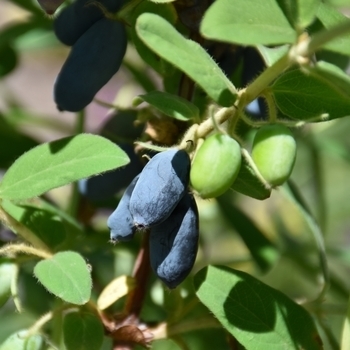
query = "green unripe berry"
x=215 y=166
x=274 y=153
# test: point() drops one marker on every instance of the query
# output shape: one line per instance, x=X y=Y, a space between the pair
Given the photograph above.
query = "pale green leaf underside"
x=58 y=163
x=258 y=316
x=247 y=22
x=66 y=275
x=186 y=55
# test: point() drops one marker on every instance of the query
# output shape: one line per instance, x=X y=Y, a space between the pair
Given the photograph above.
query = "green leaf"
x=186 y=55
x=82 y=331
x=171 y=105
x=258 y=316
x=67 y=276
x=167 y=12
x=307 y=97
x=58 y=163
x=7 y=273
x=247 y=22
x=46 y=225
x=249 y=182
x=271 y=55
x=300 y=13
x=261 y=248
x=18 y=341
x=333 y=75
x=330 y=17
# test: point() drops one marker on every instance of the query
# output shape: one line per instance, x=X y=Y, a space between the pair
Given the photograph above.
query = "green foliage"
x=67 y=276
x=186 y=55
x=319 y=94
x=245 y=307
x=82 y=331
x=273 y=262
x=59 y=163
x=252 y=23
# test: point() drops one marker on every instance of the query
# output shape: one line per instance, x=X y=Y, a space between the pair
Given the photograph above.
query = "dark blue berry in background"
x=162 y=184
x=74 y=20
x=93 y=60
x=174 y=243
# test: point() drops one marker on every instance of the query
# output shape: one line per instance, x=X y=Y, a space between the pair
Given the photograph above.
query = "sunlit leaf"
x=58 y=163
x=67 y=276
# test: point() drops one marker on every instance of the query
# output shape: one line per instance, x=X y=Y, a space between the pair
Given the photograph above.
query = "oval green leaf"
x=314 y=96
x=258 y=316
x=67 y=276
x=58 y=163
x=82 y=331
x=247 y=22
x=171 y=105
x=186 y=55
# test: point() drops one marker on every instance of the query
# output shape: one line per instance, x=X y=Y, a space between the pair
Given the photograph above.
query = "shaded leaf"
x=258 y=316
x=305 y=97
x=58 y=163
x=249 y=182
x=47 y=226
x=186 y=55
x=247 y=22
x=82 y=331
x=67 y=276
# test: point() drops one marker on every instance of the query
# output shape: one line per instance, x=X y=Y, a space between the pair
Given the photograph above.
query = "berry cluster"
x=98 y=47
x=158 y=199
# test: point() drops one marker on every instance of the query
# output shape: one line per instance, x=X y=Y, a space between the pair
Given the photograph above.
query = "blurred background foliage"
x=30 y=59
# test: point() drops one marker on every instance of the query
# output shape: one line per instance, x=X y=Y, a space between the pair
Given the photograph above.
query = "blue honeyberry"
x=74 y=20
x=174 y=243
x=93 y=60
x=162 y=184
x=120 y=222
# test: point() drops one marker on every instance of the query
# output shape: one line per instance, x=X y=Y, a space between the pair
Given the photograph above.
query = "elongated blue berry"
x=162 y=184
x=74 y=20
x=174 y=243
x=120 y=222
